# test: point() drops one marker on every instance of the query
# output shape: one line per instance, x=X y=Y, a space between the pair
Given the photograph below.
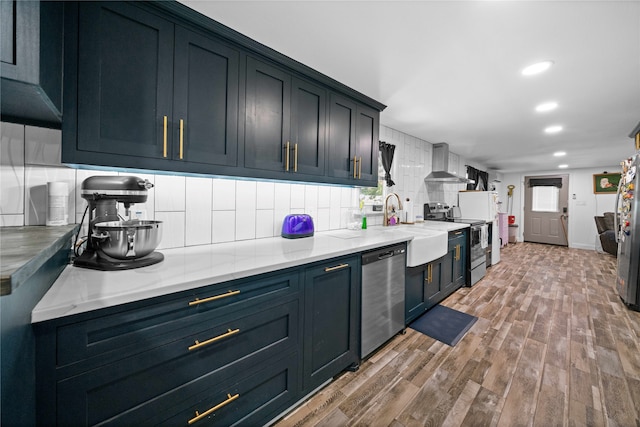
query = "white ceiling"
x=449 y=71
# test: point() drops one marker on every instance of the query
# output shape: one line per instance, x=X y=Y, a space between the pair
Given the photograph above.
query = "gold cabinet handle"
x=295 y=157
x=337 y=267
x=355 y=166
x=360 y=168
x=429 y=273
x=181 y=137
x=199 y=344
x=199 y=416
x=164 y=137
x=213 y=298
x=457 y=252
x=286 y=155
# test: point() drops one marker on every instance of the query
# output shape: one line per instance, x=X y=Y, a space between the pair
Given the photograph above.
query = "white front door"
x=545 y=209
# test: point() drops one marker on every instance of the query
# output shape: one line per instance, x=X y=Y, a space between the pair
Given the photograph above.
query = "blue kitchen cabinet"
x=429 y=284
x=249 y=348
x=285 y=123
x=158 y=359
x=31 y=62
x=331 y=320
x=353 y=142
x=143 y=92
x=157 y=86
x=458 y=251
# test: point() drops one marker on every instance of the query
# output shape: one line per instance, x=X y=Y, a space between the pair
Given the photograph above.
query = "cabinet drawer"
x=105 y=339
x=251 y=401
x=134 y=383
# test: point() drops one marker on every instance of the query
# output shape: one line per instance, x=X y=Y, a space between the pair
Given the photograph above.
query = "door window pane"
x=545 y=199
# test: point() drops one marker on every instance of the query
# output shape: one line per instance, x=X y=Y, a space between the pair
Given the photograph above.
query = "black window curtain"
x=545 y=182
x=386 y=152
x=480 y=179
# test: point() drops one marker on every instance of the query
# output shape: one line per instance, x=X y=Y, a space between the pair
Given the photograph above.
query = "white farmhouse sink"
x=426 y=246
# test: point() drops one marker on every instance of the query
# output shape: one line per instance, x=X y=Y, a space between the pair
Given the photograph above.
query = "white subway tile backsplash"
x=169 y=193
x=297 y=196
x=12 y=171
x=224 y=226
x=42 y=146
x=224 y=194
x=282 y=197
x=322 y=221
x=245 y=224
x=199 y=208
x=246 y=196
x=264 y=223
x=173 y=229
x=310 y=197
x=324 y=196
x=35 y=191
x=265 y=195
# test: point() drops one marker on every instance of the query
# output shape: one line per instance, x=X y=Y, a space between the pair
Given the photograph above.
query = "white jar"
x=57 y=197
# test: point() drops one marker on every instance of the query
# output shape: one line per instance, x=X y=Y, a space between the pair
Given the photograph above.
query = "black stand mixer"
x=112 y=243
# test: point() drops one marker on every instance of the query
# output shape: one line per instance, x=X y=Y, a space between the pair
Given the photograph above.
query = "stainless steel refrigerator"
x=628 y=223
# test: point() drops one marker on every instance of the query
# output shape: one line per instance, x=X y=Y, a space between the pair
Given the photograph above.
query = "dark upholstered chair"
x=606 y=231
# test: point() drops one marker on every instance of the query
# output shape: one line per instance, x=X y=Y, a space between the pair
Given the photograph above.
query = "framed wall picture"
x=606 y=183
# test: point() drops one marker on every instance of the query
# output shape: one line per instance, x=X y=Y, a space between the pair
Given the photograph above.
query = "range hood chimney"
x=440 y=167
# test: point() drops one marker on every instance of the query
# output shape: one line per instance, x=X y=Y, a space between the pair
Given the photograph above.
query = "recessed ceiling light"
x=553 y=129
x=547 y=106
x=536 y=68
x=560 y=153
x=563 y=166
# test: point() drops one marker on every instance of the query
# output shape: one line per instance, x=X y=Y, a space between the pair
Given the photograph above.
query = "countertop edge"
x=42 y=313
x=12 y=281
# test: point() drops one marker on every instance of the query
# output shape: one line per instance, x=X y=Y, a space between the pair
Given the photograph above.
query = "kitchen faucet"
x=385 y=221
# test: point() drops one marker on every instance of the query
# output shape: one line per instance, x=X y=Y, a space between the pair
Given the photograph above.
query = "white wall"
x=583 y=204
x=412 y=163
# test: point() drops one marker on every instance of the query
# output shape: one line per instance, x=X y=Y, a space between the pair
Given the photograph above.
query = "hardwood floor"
x=553 y=346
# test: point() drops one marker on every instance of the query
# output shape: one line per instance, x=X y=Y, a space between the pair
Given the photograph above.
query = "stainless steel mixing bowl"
x=127 y=239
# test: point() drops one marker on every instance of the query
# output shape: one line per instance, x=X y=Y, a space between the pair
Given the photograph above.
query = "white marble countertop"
x=79 y=290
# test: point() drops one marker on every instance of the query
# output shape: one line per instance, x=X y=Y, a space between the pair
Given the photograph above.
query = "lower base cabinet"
x=331 y=319
x=235 y=353
x=428 y=284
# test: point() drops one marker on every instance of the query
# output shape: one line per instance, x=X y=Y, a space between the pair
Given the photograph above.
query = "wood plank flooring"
x=553 y=346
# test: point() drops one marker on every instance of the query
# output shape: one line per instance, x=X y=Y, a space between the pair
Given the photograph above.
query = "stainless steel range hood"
x=440 y=167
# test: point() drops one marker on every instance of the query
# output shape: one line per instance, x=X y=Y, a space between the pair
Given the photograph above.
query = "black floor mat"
x=444 y=324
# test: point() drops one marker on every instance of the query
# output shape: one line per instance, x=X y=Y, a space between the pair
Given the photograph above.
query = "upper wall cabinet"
x=353 y=142
x=150 y=94
x=31 y=62
x=285 y=121
x=156 y=86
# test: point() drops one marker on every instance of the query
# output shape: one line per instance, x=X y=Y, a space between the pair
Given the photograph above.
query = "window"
x=375 y=195
x=545 y=199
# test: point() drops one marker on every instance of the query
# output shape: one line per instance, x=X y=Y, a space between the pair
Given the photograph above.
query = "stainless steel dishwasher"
x=382 y=311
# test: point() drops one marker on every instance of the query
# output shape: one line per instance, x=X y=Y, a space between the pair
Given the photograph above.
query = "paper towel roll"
x=57 y=196
x=409 y=214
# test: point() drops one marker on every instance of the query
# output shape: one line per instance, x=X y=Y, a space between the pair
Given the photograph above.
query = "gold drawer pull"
x=286 y=161
x=164 y=137
x=199 y=416
x=360 y=168
x=295 y=157
x=337 y=267
x=213 y=298
x=199 y=344
x=181 y=137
